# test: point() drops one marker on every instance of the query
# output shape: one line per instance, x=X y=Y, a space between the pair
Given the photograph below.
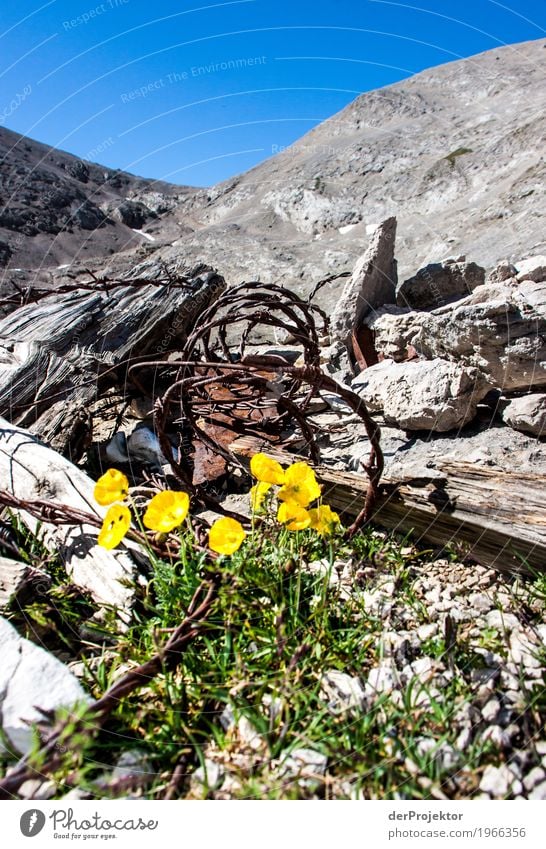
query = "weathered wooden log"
x=497 y=518
x=30 y=470
x=57 y=355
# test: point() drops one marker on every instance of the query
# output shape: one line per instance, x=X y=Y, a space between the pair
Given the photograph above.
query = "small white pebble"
x=499 y=781
x=380 y=680
x=480 y=602
x=502 y=621
x=491 y=709
x=536 y=776
x=523 y=650
x=433 y=596
x=539 y=792
x=425 y=632
x=541 y=630
x=498 y=736
x=465 y=738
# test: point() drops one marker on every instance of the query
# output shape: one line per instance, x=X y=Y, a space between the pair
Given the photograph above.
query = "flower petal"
x=324 y=520
x=300 y=485
x=115 y=525
x=226 y=535
x=266 y=469
x=300 y=474
x=258 y=493
x=293 y=515
x=166 y=510
x=111 y=486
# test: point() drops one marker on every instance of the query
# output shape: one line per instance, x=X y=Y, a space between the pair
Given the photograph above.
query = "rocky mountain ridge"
x=58 y=210
x=454 y=152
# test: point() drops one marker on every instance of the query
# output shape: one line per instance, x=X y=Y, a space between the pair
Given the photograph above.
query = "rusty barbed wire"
x=62 y=514
x=222 y=389
x=24 y=295
x=50 y=755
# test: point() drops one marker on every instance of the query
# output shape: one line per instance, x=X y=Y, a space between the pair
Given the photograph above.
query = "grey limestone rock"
x=210 y=775
x=527 y=413
x=381 y=679
x=43 y=473
x=438 y=284
x=132 y=762
x=31 y=678
x=533 y=268
x=133 y=213
x=500 y=329
x=304 y=764
x=503 y=271
x=5 y=253
x=434 y=395
x=538 y=793
x=501 y=620
x=371 y=285
x=394 y=329
x=342 y=692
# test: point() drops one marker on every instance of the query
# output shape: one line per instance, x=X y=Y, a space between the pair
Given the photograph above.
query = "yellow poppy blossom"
x=258 y=493
x=166 y=511
x=294 y=516
x=266 y=469
x=115 y=525
x=324 y=520
x=300 y=485
x=226 y=535
x=111 y=486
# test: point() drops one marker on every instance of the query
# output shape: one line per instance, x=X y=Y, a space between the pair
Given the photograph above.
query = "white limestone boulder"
x=31 y=678
x=434 y=395
x=527 y=413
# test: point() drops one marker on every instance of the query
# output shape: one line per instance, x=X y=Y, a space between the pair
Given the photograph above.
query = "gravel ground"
x=453 y=676
x=447 y=619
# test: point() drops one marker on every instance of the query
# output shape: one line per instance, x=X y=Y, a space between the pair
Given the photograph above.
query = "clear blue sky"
x=195 y=91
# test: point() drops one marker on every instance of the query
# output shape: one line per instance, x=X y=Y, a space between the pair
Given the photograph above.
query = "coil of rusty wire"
x=221 y=389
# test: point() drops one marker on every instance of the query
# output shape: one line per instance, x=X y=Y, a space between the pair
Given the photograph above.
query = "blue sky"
x=195 y=91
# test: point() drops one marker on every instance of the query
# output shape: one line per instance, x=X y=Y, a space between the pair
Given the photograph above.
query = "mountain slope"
x=55 y=207
x=455 y=152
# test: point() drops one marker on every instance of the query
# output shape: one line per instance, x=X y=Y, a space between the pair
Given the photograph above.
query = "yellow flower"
x=266 y=469
x=300 y=485
x=323 y=519
x=226 y=535
x=294 y=516
x=115 y=525
x=111 y=486
x=166 y=511
x=258 y=493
